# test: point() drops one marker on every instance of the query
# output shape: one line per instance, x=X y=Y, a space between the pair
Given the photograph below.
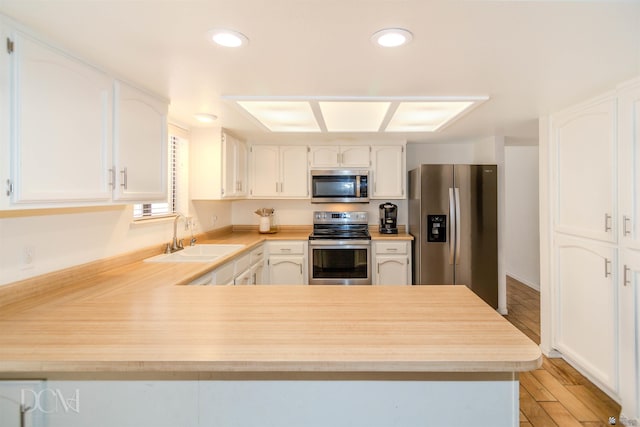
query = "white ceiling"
x=530 y=57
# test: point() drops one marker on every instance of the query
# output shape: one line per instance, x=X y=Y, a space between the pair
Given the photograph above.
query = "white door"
x=583 y=152
x=388 y=172
x=325 y=156
x=286 y=270
x=265 y=176
x=294 y=173
x=140 y=145
x=355 y=156
x=629 y=165
x=629 y=338
x=242 y=160
x=585 y=306
x=392 y=270
x=257 y=273
x=62 y=126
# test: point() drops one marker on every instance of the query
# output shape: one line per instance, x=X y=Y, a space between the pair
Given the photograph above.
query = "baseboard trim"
x=524 y=281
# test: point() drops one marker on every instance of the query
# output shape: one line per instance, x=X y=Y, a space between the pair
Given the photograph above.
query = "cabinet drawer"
x=257 y=254
x=286 y=248
x=242 y=264
x=391 y=247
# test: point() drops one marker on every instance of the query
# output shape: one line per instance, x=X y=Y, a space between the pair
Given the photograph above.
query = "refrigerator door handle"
x=457 y=193
x=452 y=220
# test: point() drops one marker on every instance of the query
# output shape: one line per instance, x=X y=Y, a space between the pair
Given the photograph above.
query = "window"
x=177 y=179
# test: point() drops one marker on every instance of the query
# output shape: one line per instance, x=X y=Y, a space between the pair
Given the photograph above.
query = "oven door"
x=339 y=262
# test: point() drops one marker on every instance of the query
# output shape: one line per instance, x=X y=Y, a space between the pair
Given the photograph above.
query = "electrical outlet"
x=28 y=257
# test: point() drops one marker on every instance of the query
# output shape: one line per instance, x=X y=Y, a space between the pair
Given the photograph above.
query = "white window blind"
x=177 y=181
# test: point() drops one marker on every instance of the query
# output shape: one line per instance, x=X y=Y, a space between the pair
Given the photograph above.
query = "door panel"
x=434 y=267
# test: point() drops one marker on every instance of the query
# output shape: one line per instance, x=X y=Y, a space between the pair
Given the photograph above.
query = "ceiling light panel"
x=283 y=116
x=425 y=116
x=342 y=116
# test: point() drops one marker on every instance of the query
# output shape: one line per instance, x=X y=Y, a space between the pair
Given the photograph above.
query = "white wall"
x=300 y=212
x=76 y=236
x=522 y=225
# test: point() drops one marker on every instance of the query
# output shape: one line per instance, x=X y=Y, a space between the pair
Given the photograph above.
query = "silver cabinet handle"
x=112 y=178
x=607 y=267
x=607 y=222
x=626 y=220
x=392 y=249
x=626 y=279
x=285 y=249
x=123 y=172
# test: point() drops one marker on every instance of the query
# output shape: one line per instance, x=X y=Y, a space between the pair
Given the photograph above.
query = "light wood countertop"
x=133 y=318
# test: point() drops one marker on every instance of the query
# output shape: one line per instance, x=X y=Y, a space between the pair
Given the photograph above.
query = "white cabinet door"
x=279 y=171
x=257 y=273
x=265 y=171
x=585 y=306
x=340 y=156
x=325 y=156
x=583 y=144
x=294 y=172
x=245 y=278
x=62 y=127
x=234 y=167
x=388 y=172
x=629 y=165
x=355 y=156
x=391 y=270
x=286 y=270
x=629 y=338
x=140 y=145
x=23 y=403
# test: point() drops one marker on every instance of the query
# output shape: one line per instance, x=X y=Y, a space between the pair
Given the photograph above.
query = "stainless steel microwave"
x=339 y=186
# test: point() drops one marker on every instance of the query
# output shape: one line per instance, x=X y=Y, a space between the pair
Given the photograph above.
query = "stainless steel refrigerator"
x=453 y=217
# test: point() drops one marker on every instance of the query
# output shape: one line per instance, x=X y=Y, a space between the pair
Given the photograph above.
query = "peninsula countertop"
x=136 y=318
x=265 y=329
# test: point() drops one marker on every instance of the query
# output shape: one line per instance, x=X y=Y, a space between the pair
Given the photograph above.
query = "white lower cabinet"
x=287 y=263
x=392 y=263
x=629 y=334
x=257 y=265
x=22 y=403
x=585 y=307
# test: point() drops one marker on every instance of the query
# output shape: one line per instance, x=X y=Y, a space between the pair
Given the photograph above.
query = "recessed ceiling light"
x=228 y=38
x=205 y=117
x=392 y=37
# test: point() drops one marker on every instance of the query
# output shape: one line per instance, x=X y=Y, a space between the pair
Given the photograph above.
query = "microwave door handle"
x=357 y=185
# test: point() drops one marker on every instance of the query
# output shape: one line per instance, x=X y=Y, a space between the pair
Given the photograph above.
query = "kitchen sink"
x=198 y=253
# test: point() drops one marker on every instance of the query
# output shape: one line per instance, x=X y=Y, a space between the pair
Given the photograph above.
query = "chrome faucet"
x=176 y=244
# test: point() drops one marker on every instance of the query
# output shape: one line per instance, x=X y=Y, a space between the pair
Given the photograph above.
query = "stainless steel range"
x=340 y=249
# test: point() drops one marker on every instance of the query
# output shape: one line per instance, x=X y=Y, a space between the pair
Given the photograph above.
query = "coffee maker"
x=388 y=218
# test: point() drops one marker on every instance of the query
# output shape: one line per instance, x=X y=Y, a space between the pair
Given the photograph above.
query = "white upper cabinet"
x=279 y=171
x=388 y=172
x=140 y=145
x=583 y=144
x=217 y=165
x=61 y=119
x=235 y=158
x=76 y=136
x=629 y=164
x=334 y=156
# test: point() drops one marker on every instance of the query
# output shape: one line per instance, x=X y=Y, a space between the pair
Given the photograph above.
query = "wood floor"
x=555 y=394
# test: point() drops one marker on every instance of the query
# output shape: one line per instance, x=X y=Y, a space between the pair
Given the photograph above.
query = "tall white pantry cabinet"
x=590 y=241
